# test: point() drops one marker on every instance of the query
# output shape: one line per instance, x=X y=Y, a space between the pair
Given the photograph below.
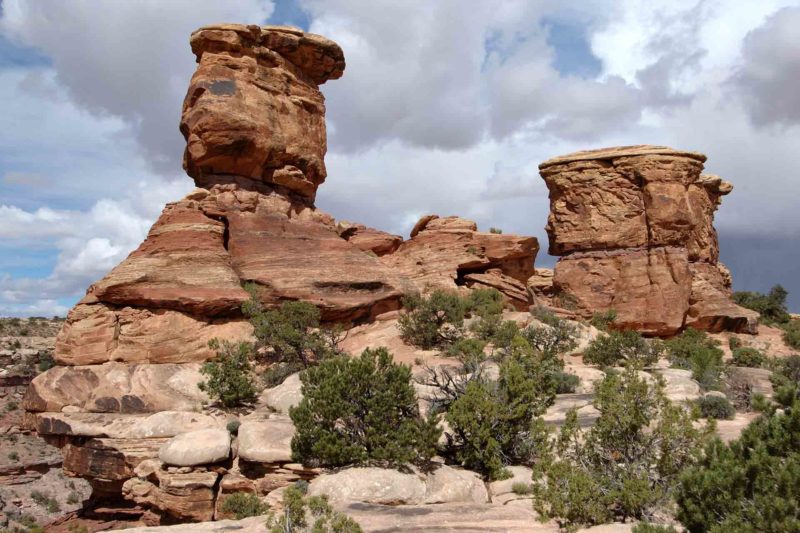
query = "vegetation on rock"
x=716 y=407
x=312 y=514
x=771 y=306
x=750 y=485
x=622 y=348
x=694 y=350
x=360 y=410
x=230 y=379
x=244 y=504
x=626 y=465
x=749 y=357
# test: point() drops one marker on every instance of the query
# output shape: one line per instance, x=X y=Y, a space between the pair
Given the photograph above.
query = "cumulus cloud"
x=126 y=59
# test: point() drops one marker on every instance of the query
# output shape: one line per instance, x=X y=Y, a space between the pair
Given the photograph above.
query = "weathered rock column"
x=634 y=228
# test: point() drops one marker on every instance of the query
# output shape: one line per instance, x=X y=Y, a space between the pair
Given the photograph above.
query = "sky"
x=445 y=107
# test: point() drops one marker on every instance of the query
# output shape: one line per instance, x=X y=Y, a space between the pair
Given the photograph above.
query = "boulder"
x=634 y=228
x=266 y=439
x=182 y=496
x=204 y=446
x=369 y=239
x=447 y=485
x=117 y=388
x=679 y=385
x=284 y=396
x=383 y=486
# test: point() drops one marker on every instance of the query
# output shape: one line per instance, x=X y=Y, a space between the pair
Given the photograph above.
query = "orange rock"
x=369 y=239
x=634 y=227
x=446 y=253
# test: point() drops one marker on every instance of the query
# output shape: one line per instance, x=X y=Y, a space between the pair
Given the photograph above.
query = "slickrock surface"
x=634 y=228
x=450 y=252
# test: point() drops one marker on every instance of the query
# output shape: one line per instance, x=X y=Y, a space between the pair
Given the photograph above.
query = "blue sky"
x=445 y=107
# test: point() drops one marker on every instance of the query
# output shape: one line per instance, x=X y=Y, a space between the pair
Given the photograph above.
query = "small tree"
x=626 y=464
x=622 y=347
x=244 y=504
x=771 y=306
x=495 y=423
x=750 y=485
x=716 y=407
x=791 y=334
x=749 y=357
x=604 y=320
x=302 y=514
x=229 y=378
x=556 y=337
x=360 y=410
x=434 y=321
x=694 y=350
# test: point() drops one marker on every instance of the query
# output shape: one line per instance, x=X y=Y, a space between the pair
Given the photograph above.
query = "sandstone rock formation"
x=634 y=228
x=450 y=252
x=130 y=351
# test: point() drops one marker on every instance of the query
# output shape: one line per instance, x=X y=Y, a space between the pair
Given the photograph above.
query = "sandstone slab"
x=266 y=439
x=200 y=447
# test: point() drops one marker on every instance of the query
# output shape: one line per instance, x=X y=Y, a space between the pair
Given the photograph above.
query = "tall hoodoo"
x=130 y=351
x=634 y=228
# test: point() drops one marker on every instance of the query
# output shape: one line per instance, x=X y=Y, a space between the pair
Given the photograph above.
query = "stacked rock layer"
x=129 y=353
x=634 y=228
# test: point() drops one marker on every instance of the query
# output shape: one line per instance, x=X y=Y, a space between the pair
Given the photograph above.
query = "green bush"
x=694 y=350
x=646 y=527
x=46 y=362
x=450 y=381
x=716 y=407
x=230 y=380
x=44 y=499
x=74 y=498
x=625 y=465
x=566 y=383
x=555 y=337
x=359 y=410
x=291 y=333
x=791 y=334
x=495 y=230
x=734 y=342
x=749 y=485
x=243 y=505
x=485 y=302
x=622 y=348
x=233 y=427
x=522 y=489
x=313 y=514
x=786 y=380
x=771 y=306
x=434 y=321
x=749 y=357
x=495 y=422
x=603 y=320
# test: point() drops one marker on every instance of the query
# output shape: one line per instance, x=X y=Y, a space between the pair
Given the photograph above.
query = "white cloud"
x=126 y=59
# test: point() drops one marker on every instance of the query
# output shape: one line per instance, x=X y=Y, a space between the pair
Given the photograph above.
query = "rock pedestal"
x=634 y=228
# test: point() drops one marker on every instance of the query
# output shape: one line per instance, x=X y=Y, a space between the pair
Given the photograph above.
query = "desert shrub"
x=734 y=342
x=434 y=321
x=291 y=333
x=566 y=383
x=694 y=350
x=243 y=505
x=791 y=334
x=495 y=423
x=233 y=427
x=493 y=329
x=450 y=381
x=13 y=456
x=749 y=357
x=230 y=380
x=277 y=373
x=302 y=514
x=786 y=379
x=495 y=230
x=749 y=485
x=46 y=362
x=622 y=348
x=485 y=302
x=555 y=337
x=646 y=527
x=603 y=320
x=626 y=464
x=360 y=410
x=716 y=407
x=16 y=345
x=74 y=498
x=44 y=499
x=771 y=306
x=522 y=489
x=565 y=300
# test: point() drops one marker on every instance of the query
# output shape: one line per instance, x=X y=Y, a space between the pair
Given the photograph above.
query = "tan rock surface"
x=266 y=439
x=194 y=448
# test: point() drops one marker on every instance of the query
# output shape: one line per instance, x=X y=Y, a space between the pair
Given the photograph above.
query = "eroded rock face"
x=634 y=227
x=450 y=252
x=254 y=109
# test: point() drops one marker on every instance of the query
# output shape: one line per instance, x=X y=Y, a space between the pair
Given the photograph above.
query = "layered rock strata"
x=450 y=252
x=129 y=353
x=634 y=228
